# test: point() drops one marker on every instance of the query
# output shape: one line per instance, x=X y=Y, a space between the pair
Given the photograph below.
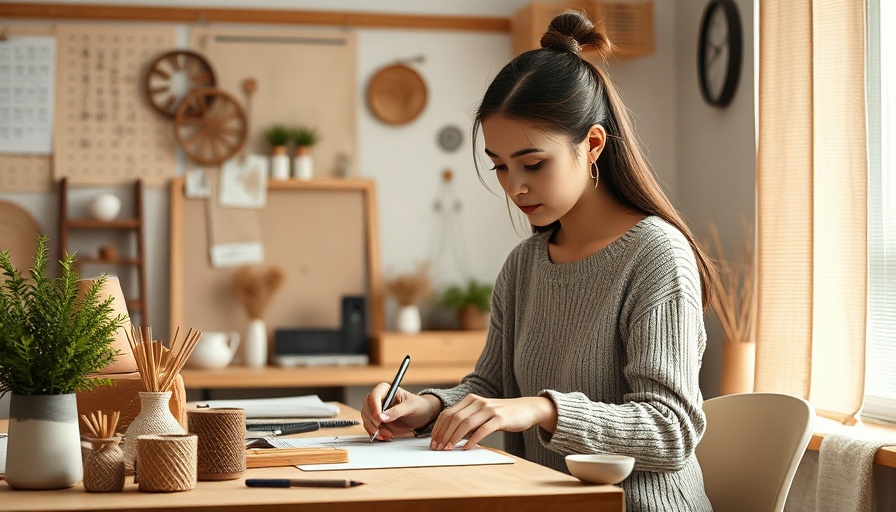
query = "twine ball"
x=166 y=463
x=222 y=438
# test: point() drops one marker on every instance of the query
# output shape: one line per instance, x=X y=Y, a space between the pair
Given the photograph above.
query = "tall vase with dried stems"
x=158 y=367
x=734 y=301
x=408 y=290
x=255 y=289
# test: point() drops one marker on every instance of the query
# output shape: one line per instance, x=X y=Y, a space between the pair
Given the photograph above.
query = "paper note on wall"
x=234 y=233
x=27 y=75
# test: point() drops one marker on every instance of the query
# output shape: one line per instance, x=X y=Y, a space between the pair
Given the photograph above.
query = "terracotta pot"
x=471 y=318
x=738 y=367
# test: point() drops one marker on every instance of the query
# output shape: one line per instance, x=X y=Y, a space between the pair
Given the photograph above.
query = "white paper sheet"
x=308 y=406
x=405 y=452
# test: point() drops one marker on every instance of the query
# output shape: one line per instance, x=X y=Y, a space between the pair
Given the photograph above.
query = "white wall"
x=716 y=159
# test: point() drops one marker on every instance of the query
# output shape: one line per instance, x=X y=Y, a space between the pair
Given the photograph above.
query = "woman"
x=597 y=331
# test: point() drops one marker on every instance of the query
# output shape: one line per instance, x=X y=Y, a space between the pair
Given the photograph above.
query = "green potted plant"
x=278 y=137
x=53 y=336
x=472 y=303
x=303 y=138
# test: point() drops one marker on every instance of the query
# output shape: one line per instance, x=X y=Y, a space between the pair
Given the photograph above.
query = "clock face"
x=716 y=52
x=719 y=53
x=450 y=137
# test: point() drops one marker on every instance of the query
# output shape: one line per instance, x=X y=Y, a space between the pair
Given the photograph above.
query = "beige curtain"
x=811 y=203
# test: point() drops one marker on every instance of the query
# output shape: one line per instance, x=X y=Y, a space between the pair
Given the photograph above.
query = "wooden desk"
x=321 y=376
x=519 y=487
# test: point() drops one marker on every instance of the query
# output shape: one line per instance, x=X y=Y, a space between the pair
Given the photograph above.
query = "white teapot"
x=214 y=350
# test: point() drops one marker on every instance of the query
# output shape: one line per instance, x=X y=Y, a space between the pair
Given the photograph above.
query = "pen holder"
x=221 y=444
x=166 y=463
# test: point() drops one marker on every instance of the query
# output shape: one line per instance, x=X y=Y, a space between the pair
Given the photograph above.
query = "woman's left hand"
x=475 y=417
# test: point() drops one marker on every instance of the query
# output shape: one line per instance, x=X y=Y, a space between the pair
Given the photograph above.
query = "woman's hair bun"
x=573 y=32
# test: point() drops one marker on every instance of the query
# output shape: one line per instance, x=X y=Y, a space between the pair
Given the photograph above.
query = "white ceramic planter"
x=303 y=167
x=280 y=164
x=407 y=319
x=44 y=450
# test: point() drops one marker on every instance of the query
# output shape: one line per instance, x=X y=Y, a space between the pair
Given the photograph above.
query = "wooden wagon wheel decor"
x=173 y=75
x=210 y=126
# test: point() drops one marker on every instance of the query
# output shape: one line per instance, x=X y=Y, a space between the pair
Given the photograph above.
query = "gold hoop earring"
x=595 y=174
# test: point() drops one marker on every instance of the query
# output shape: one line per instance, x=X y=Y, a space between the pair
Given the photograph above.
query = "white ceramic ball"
x=105 y=206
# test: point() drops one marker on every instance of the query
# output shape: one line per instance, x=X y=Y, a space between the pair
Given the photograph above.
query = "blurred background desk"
x=237 y=377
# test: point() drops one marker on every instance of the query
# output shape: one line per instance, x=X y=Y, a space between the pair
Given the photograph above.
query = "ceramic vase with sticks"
x=104 y=466
x=158 y=367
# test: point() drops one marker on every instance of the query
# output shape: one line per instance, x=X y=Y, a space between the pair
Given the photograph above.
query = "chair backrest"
x=751 y=449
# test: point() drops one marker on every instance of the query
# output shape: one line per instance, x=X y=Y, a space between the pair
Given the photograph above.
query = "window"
x=880 y=389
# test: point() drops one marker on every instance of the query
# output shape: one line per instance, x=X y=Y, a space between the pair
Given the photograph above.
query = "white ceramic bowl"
x=600 y=468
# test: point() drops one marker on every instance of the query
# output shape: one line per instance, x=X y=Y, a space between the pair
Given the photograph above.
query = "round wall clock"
x=450 y=137
x=720 y=52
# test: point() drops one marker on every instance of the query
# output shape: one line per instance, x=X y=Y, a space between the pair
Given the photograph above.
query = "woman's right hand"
x=408 y=412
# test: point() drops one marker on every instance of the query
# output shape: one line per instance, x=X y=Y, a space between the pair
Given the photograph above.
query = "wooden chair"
x=751 y=449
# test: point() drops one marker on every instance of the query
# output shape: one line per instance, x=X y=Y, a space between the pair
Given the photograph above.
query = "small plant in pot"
x=278 y=137
x=303 y=138
x=471 y=302
x=53 y=338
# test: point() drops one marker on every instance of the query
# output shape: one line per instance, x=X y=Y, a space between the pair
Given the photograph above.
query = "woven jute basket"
x=104 y=466
x=166 y=463
x=222 y=439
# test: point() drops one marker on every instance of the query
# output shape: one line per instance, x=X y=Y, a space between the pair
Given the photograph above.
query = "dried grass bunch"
x=256 y=288
x=408 y=289
x=159 y=365
x=734 y=292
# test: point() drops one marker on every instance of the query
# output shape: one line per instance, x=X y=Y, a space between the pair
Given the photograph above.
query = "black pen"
x=390 y=396
x=287 y=428
x=300 y=482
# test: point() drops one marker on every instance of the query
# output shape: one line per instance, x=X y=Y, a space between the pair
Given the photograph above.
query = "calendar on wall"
x=106 y=130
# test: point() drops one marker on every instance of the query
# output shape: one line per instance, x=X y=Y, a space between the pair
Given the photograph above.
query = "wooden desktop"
x=518 y=487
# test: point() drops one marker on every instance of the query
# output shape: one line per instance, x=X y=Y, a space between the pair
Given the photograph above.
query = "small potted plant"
x=472 y=304
x=53 y=337
x=278 y=137
x=303 y=138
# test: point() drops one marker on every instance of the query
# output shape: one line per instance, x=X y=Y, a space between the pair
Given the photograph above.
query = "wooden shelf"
x=116 y=261
x=321 y=376
x=428 y=347
x=201 y=15
x=103 y=224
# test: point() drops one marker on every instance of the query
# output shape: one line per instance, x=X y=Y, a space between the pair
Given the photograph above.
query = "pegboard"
x=25 y=173
x=106 y=130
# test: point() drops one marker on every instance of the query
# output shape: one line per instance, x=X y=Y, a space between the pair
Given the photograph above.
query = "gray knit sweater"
x=616 y=341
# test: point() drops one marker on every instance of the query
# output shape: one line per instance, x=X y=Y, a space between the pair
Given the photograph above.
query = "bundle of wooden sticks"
x=159 y=365
x=101 y=425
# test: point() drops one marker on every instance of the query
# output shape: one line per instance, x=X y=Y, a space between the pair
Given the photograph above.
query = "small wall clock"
x=720 y=52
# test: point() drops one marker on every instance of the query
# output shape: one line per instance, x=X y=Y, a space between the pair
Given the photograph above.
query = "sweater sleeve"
x=660 y=419
x=486 y=378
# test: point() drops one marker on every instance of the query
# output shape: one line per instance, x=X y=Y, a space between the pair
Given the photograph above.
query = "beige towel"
x=845 y=465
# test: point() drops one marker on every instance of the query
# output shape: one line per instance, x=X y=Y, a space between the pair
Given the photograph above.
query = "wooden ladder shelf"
x=136 y=301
